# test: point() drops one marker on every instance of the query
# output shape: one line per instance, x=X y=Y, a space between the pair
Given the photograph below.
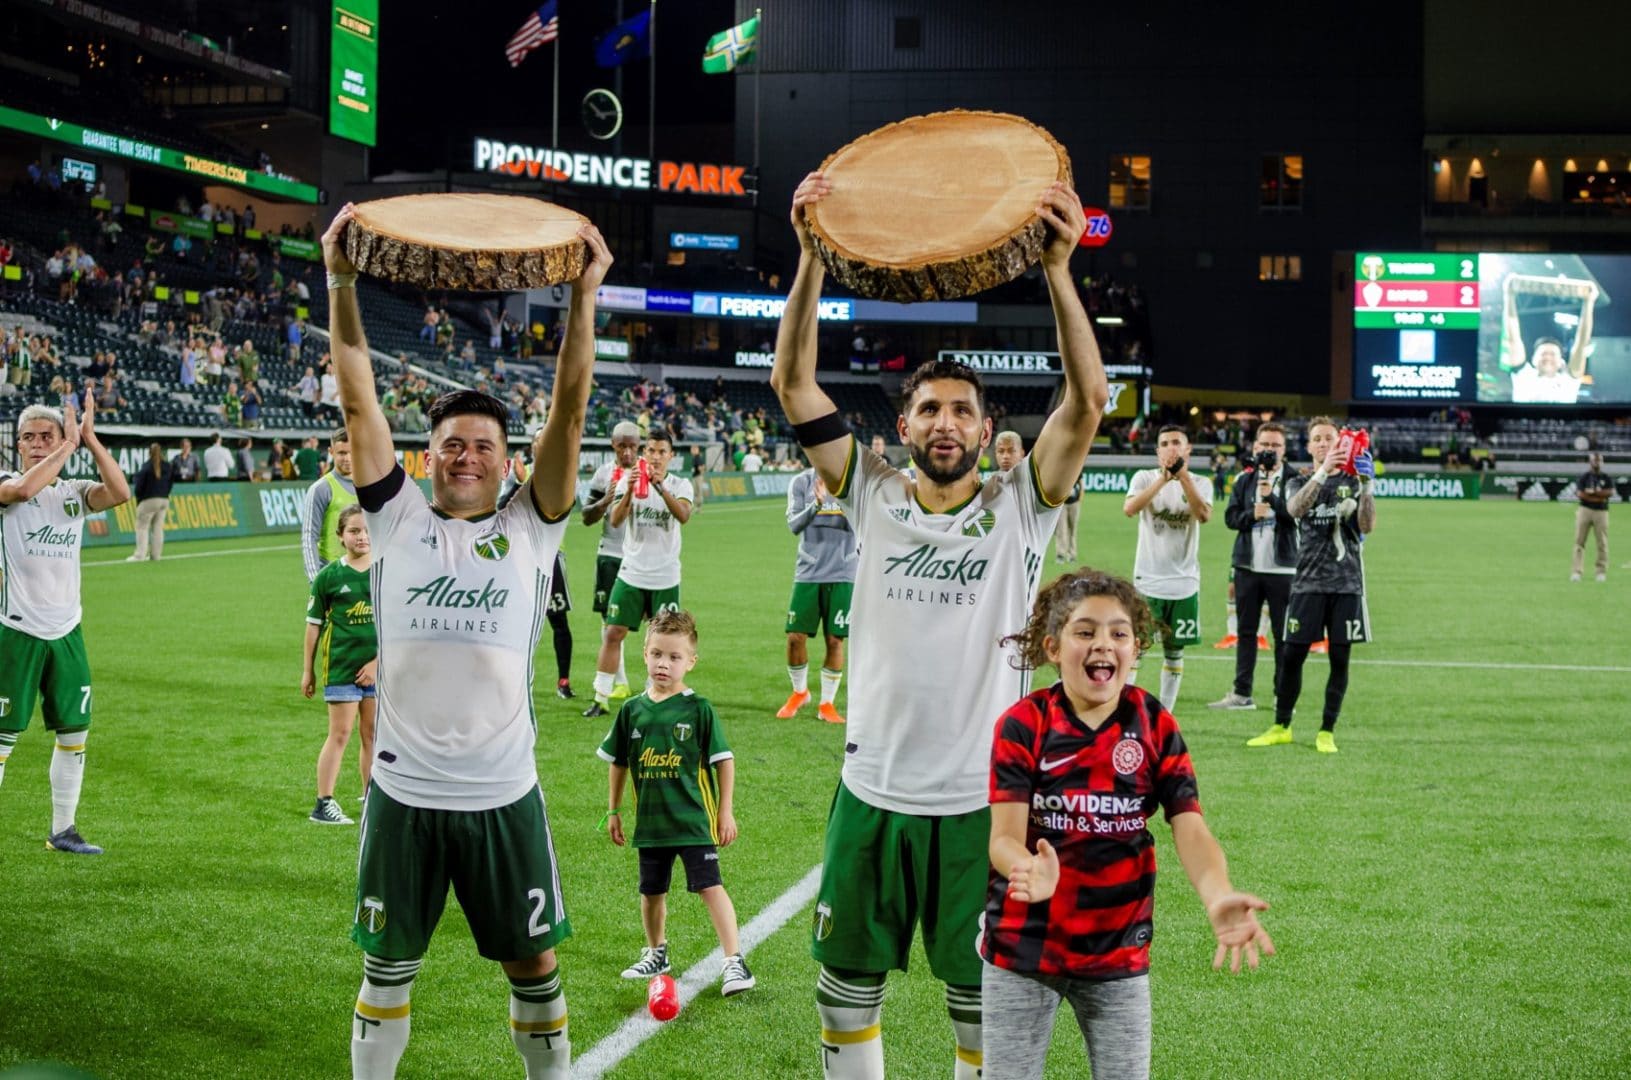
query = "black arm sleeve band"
x=373 y=497
x=823 y=429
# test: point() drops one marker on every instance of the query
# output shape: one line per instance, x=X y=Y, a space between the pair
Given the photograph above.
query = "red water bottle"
x=617 y=474
x=662 y=996
x=642 y=480
x=1350 y=444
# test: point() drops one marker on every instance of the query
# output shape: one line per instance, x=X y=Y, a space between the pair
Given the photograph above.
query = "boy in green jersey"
x=684 y=775
x=340 y=615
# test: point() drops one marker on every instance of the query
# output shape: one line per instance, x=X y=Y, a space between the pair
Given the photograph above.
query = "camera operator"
x=1171 y=504
x=1334 y=510
x=1264 y=558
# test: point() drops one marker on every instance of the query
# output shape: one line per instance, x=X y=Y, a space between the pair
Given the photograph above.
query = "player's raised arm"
x=114 y=488
x=1582 y=333
x=373 y=455
x=555 y=452
x=1062 y=447
x=1512 y=354
x=809 y=409
x=38 y=477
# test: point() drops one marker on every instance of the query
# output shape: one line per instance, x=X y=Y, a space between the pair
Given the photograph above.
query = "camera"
x=1264 y=461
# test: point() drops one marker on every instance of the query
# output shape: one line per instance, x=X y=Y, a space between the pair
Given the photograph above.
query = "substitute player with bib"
x=609 y=553
x=459 y=588
x=651 y=504
x=42 y=653
x=1335 y=509
x=823 y=582
x=1171 y=504
x=948 y=566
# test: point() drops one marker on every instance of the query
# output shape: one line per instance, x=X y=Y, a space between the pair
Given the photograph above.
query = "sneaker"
x=620 y=691
x=328 y=812
x=70 y=841
x=829 y=712
x=1227 y=641
x=563 y=689
x=134 y=558
x=1325 y=742
x=1602 y=577
x=596 y=708
x=1232 y=700
x=1574 y=577
x=652 y=963
x=795 y=701
x=1277 y=735
x=735 y=976
x=1323 y=645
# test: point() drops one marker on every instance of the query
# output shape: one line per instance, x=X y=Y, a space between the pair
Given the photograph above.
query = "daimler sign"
x=1008 y=363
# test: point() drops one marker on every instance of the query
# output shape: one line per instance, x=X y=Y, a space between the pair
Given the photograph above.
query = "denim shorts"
x=347 y=692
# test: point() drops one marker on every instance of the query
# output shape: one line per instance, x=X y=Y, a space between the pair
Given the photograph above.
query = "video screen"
x=1493 y=328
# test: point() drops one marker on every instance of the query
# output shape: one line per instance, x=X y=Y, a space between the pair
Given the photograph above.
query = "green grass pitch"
x=1449 y=892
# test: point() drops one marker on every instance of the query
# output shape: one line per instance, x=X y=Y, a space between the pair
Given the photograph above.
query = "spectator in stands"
x=427 y=332
x=308 y=391
x=181 y=246
x=249 y=215
x=500 y=373
x=186 y=463
x=217 y=461
x=183 y=207
x=189 y=364
x=252 y=405
x=328 y=399
x=246 y=459
x=249 y=361
x=1595 y=489
x=467 y=355
x=293 y=333
x=232 y=405
x=215 y=362
x=445 y=332
x=279 y=465
x=206 y=211
x=152 y=487
x=308 y=462
x=752 y=461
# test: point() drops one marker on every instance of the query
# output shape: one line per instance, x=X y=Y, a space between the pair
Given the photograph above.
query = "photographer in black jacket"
x=1264 y=558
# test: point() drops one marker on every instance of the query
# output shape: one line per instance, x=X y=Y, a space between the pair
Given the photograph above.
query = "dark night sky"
x=443 y=76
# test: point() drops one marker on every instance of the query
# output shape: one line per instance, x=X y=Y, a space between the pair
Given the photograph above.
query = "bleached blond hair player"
x=948 y=566
x=459 y=587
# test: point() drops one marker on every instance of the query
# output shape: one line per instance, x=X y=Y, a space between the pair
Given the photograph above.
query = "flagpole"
x=758 y=74
x=555 y=100
x=651 y=80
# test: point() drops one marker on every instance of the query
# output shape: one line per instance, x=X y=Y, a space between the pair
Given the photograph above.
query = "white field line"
x=610 y=1051
x=1476 y=665
x=197 y=555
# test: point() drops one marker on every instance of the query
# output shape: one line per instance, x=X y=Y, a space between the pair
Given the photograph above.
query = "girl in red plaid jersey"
x=1076 y=772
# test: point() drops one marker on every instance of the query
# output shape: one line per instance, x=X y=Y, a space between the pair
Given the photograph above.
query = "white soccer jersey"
x=651 y=536
x=458 y=606
x=1168 y=563
x=611 y=536
x=40 y=539
x=934 y=594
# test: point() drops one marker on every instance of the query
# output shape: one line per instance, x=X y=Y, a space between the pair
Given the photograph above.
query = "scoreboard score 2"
x=1416 y=320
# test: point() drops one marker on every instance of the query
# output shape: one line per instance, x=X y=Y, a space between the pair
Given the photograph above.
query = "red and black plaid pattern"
x=1091 y=794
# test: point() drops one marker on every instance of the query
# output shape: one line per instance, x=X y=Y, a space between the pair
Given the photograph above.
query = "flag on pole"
x=628 y=40
x=728 y=48
x=541 y=27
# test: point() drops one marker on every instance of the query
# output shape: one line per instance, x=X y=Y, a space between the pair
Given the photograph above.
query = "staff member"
x=1595 y=489
x=1264 y=558
x=152 y=485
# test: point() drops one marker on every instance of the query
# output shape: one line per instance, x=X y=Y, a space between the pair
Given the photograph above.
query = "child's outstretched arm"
x=1031 y=878
x=614 y=818
x=725 y=773
x=1233 y=914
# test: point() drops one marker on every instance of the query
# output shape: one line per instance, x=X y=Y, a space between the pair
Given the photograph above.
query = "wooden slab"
x=467 y=241
x=937 y=207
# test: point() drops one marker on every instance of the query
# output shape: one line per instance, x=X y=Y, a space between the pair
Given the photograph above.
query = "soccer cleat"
x=1574 y=577
x=1227 y=641
x=70 y=841
x=596 y=708
x=1602 y=577
x=1278 y=735
x=620 y=691
x=1232 y=700
x=1323 y=645
x=829 y=712
x=563 y=689
x=735 y=976
x=795 y=701
x=328 y=812
x=652 y=963
x=1325 y=742
x=1262 y=641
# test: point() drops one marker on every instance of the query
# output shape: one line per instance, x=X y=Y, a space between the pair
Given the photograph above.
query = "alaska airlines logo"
x=361 y=611
x=656 y=759
x=654 y=516
x=444 y=592
x=925 y=562
x=50 y=537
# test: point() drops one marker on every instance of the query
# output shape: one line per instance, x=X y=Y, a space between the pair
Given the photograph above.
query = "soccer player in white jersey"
x=948 y=566
x=648 y=579
x=459 y=598
x=609 y=554
x=1171 y=504
x=42 y=654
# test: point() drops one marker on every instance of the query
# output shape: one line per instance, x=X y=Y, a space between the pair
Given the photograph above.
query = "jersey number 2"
x=535 y=925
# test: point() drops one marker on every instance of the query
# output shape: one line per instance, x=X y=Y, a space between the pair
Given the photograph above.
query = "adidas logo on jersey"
x=902 y=514
x=344 y=589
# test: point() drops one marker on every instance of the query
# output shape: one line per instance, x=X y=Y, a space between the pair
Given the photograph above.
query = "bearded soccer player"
x=948 y=566
x=459 y=591
x=42 y=654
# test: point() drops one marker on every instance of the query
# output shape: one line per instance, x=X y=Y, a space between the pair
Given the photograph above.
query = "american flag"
x=542 y=26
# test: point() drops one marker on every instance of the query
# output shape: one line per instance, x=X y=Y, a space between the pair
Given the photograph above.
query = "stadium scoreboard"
x=354 y=71
x=1416 y=319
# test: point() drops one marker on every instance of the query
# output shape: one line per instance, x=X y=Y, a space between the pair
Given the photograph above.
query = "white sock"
x=380 y=1022
x=603 y=685
x=851 y=1029
x=1233 y=621
x=1172 y=675
x=829 y=685
x=67 y=774
x=622 y=668
x=800 y=677
x=538 y=1026
x=963 y=1005
x=7 y=741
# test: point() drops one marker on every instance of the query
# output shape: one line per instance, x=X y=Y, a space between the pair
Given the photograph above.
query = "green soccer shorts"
x=500 y=864
x=815 y=604
x=606 y=567
x=1180 y=619
x=885 y=872
x=54 y=673
x=629 y=604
